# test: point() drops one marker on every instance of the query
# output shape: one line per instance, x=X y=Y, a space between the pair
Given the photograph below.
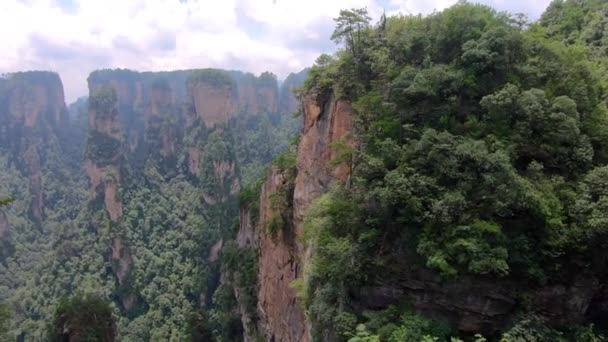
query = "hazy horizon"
x=74 y=37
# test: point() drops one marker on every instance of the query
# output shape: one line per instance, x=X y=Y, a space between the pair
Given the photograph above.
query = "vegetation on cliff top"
x=483 y=153
x=213 y=77
x=158 y=264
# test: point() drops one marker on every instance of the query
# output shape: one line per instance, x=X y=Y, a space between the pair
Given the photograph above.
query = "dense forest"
x=141 y=263
x=438 y=178
x=480 y=161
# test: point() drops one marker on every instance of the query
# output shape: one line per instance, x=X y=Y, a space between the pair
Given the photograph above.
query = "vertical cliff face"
x=288 y=103
x=281 y=316
x=105 y=155
x=257 y=95
x=35 y=98
x=32 y=114
x=286 y=195
x=159 y=109
x=213 y=104
x=327 y=121
x=104 y=165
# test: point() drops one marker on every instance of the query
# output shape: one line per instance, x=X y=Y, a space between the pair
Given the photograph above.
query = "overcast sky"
x=74 y=37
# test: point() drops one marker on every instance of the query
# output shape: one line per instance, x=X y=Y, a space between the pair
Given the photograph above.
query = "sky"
x=75 y=37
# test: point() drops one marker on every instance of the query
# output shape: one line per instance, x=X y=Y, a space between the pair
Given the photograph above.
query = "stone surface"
x=281 y=316
x=326 y=120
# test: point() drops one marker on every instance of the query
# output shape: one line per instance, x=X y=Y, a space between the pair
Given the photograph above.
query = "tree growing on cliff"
x=83 y=319
x=348 y=28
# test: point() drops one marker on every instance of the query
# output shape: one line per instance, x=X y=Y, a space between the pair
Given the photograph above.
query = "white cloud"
x=75 y=37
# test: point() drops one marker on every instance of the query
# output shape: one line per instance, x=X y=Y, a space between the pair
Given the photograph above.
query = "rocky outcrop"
x=161 y=117
x=33 y=166
x=288 y=102
x=105 y=156
x=257 y=95
x=104 y=166
x=35 y=98
x=32 y=111
x=327 y=120
x=282 y=256
x=470 y=304
x=213 y=104
x=281 y=316
x=473 y=304
x=154 y=107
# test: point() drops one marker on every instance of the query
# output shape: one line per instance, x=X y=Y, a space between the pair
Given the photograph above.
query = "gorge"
x=439 y=178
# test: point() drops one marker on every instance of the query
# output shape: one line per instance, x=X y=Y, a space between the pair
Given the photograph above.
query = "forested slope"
x=449 y=183
x=164 y=156
x=450 y=180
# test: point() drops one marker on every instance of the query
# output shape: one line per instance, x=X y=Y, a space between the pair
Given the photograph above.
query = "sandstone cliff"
x=288 y=102
x=32 y=115
x=282 y=257
x=154 y=107
x=470 y=304
x=105 y=168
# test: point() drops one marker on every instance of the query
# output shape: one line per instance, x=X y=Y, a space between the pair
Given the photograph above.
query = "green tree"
x=86 y=318
x=348 y=28
x=5 y=318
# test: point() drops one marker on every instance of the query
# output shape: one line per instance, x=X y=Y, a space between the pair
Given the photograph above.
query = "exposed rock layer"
x=282 y=256
x=32 y=113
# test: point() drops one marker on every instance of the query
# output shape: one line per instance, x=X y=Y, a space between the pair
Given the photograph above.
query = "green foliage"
x=103 y=100
x=267 y=79
x=275 y=224
x=414 y=327
x=86 y=318
x=102 y=148
x=471 y=247
x=213 y=77
x=396 y=324
x=322 y=74
x=578 y=21
x=5 y=317
x=363 y=336
x=240 y=264
x=348 y=26
x=534 y=329
x=480 y=139
x=286 y=160
x=5 y=201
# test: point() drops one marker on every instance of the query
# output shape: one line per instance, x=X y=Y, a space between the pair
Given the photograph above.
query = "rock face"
x=281 y=317
x=257 y=95
x=104 y=165
x=470 y=304
x=288 y=103
x=327 y=120
x=213 y=104
x=155 y=107
x=32 y=113
x=104 y=157
x=477 y=305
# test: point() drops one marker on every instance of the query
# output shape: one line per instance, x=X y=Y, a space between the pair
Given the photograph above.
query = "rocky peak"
x=32 y=111
x=213 y=95
x=282 y=257
x=34 y=97
x=288 y=103
x=104 y=154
